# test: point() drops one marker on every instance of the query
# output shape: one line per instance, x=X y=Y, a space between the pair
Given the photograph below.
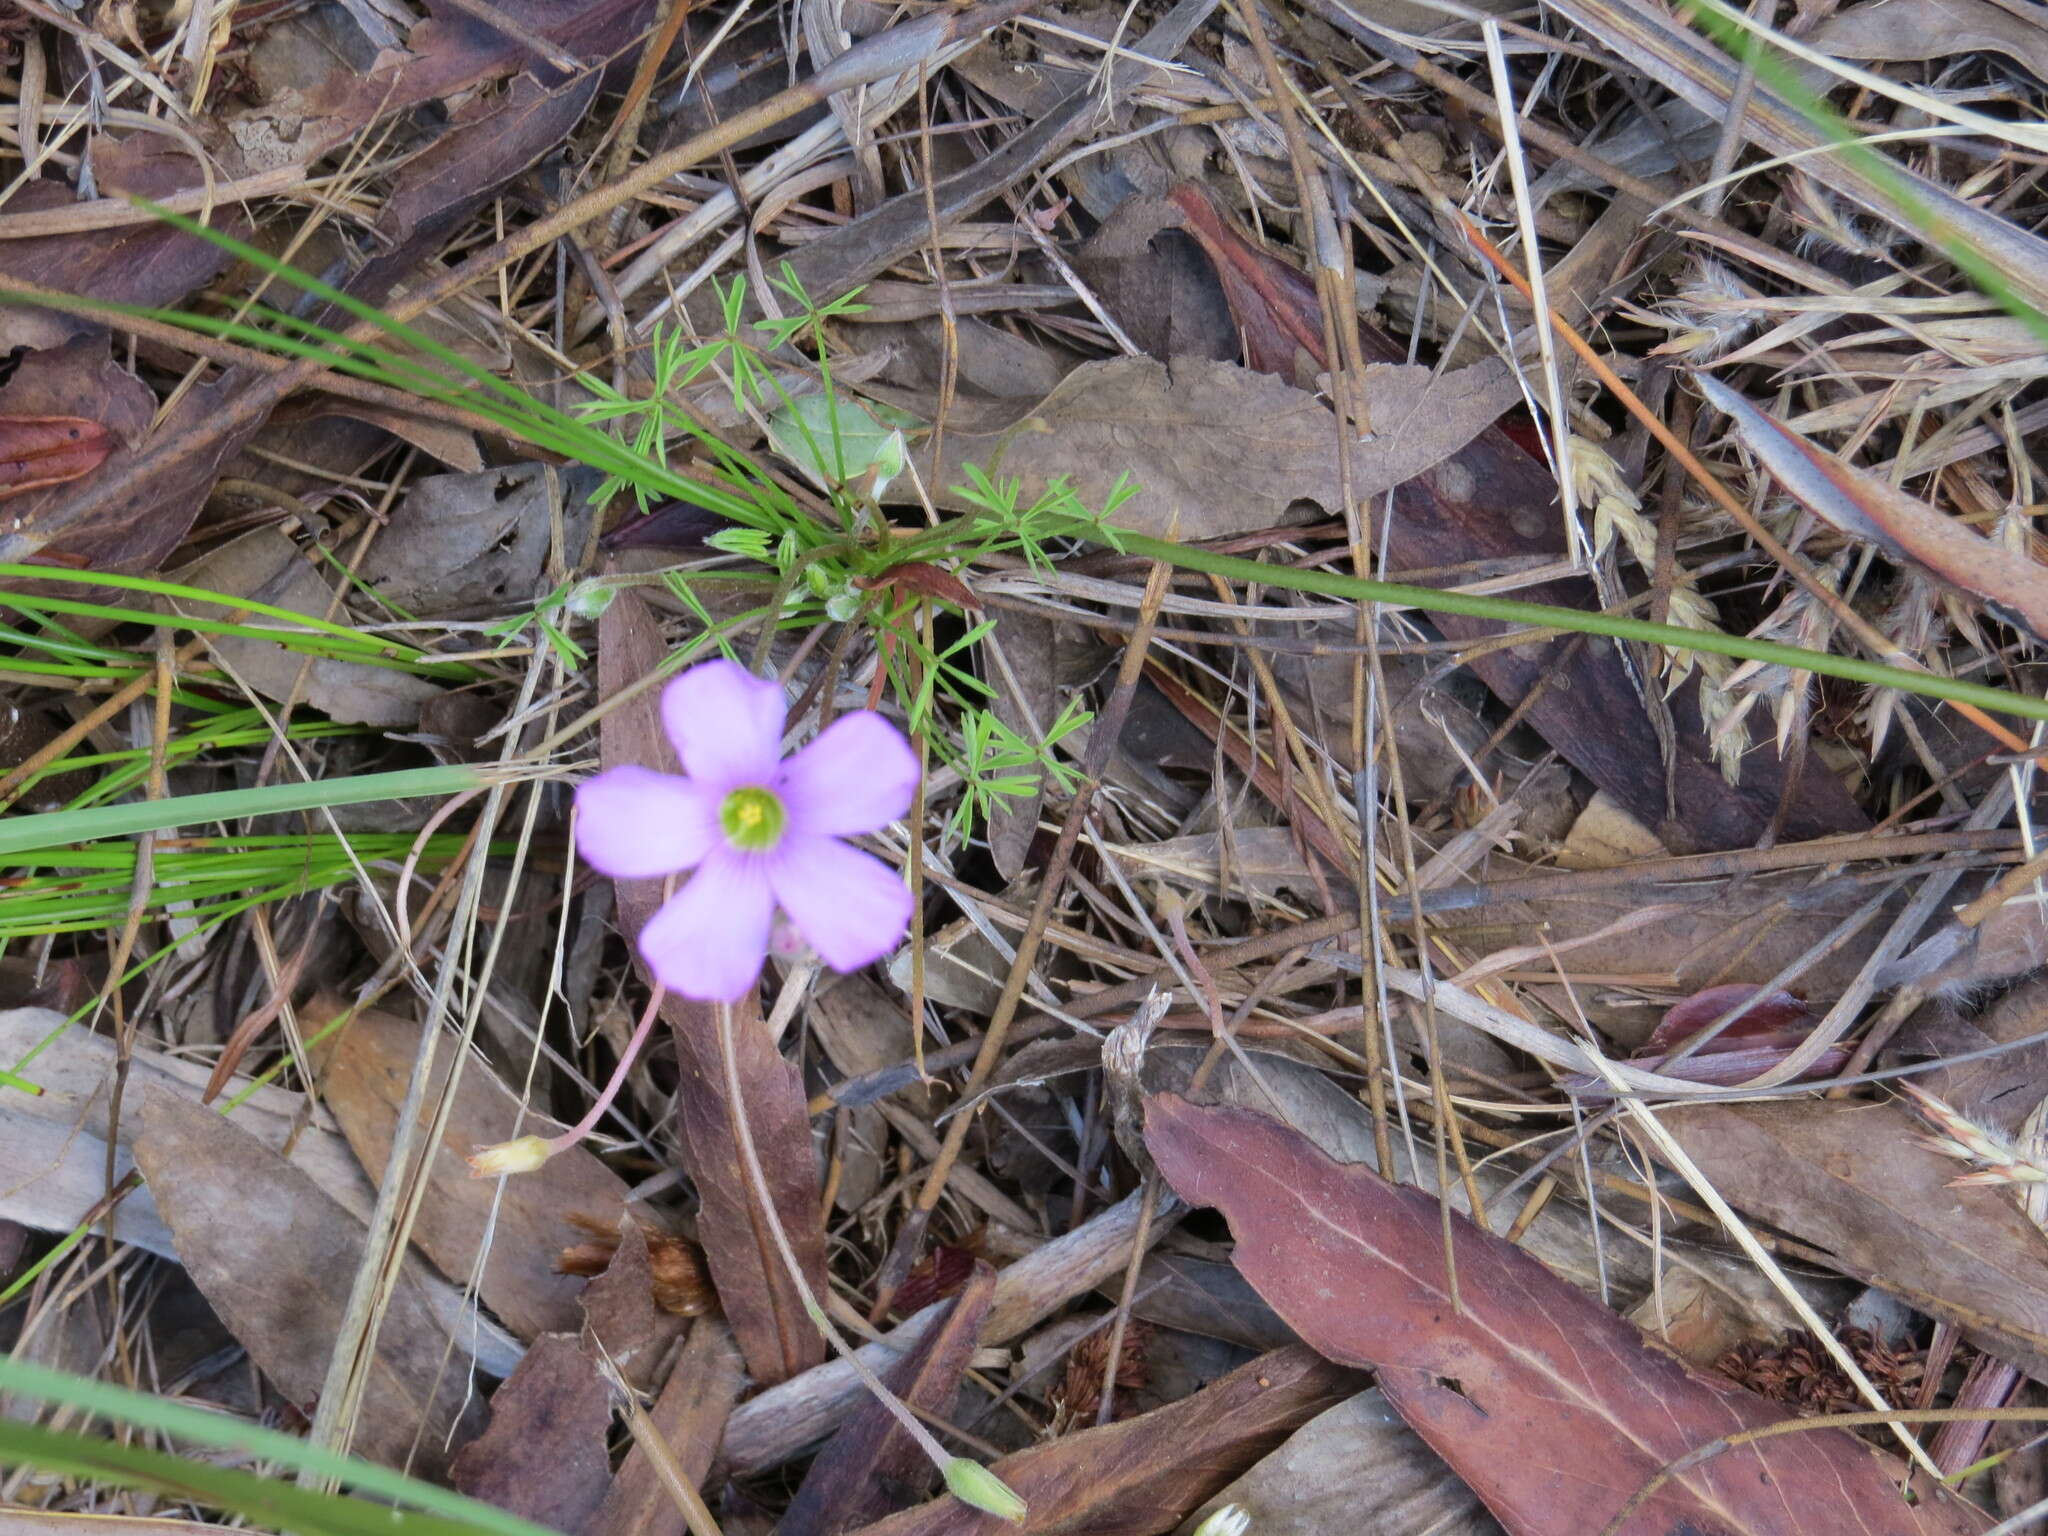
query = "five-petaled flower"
x=760 y=832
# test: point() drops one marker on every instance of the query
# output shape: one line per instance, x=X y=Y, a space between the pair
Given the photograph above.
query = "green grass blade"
x=285 y=1507
x=54 y=829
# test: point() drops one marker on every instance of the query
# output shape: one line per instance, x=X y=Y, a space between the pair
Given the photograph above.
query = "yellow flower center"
x=752 y=819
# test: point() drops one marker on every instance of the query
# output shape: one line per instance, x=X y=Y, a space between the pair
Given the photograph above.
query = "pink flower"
x=760 y=832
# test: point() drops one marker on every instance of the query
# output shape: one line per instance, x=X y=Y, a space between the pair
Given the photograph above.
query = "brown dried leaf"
x=1357 y=1469
x=1216 y=449
x=543 y=1456
x=1863 y=507
x=141 y=262
x=870 y=1465
x=622 y=1314
x=1856 y=1180
x=1493 y=501
x=48 y=450
x=1710 y=932
x=277 y=1258
x=1146 y=1474
x=690 y=1418
x=266 y=565
x=474 y=543
x=759 y=1297
x=527 y=1224
x=1551 y=1407
x=1902 y=31
x=59 y=1138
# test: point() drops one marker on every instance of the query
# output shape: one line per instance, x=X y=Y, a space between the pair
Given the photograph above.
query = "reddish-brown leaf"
x=870 y=1466
x=48 y=450
x=761 y=1300
x=1552 y=1407
x=1871 y=510
x=1149 y=1473
x=1765 y=1017
x=102 y=521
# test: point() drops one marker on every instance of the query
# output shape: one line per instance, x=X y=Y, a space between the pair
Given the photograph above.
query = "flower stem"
x=785 y=1004
x=627 y=1057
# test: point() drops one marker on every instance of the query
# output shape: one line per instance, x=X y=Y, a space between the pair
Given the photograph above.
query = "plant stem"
x=1511 y=611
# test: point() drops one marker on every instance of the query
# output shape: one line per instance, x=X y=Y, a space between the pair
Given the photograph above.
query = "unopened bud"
x=520 y=1155
x=972 y=1483
x=1230 y=1520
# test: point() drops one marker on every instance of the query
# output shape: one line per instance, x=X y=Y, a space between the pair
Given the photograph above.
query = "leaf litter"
x=1378 y=930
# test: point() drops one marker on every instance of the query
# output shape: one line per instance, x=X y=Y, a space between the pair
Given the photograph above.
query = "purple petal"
x=851 y=906
x=635 y=824
x=726 y=723
x=858 y=776
x=709 y=939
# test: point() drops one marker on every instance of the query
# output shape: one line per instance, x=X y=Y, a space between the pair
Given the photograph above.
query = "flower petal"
x=857 y=776
x=850 y=905
x=726 y=723
x=634 y=823
x=709 y=939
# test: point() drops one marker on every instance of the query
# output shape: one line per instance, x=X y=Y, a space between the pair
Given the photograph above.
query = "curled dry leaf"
x=1554 y=1409
x=1764 y=1016
x=1865 y=508
x=48 y=450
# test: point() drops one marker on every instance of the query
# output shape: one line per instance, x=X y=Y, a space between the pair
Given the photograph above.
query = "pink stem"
x=582 y=1128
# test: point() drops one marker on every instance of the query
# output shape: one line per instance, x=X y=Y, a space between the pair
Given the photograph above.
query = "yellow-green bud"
x=972 y=1483
x=1228 y=1520
x=521 y=1155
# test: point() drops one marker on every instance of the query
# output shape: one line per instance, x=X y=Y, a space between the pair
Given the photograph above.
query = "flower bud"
x=972 y=1483
x=520 y=1155
x=1229 y=1520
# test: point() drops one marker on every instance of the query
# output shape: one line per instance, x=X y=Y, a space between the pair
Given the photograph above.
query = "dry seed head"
x=1709 y=316
x=1999 y=1160
x=1597 y=479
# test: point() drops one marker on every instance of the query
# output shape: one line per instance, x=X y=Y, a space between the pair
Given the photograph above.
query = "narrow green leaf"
x=281 y=1506
x=54 y=829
